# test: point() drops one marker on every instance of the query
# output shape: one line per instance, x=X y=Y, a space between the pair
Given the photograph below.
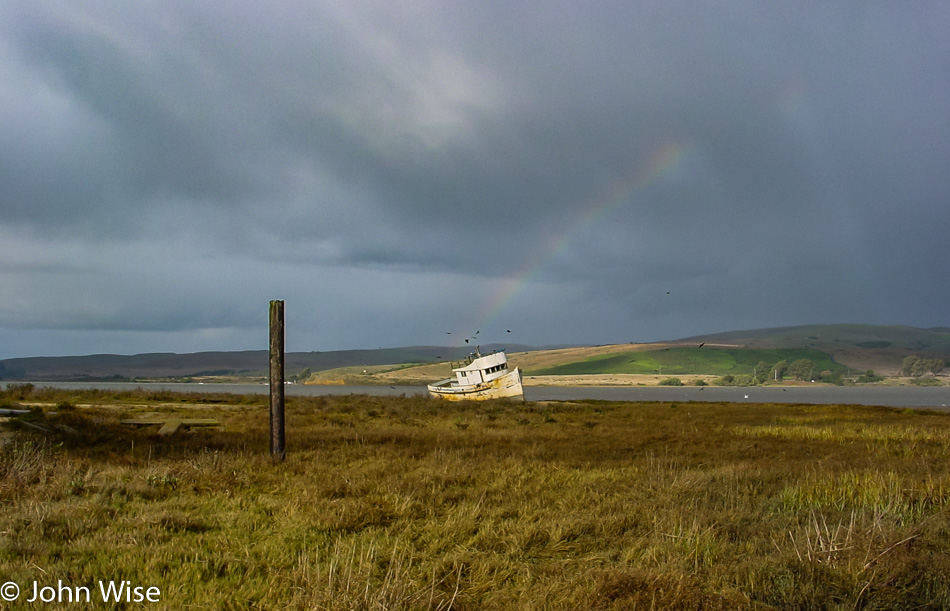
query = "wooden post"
x=277 y=380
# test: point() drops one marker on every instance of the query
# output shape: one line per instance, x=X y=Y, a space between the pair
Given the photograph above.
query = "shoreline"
x=569 y=388
x=619 y=380
x=613 y=379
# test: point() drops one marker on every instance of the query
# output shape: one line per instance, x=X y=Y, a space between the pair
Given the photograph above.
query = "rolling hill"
x=824 y=337
x=245 y=364
x=860 y=347
x=690 y=360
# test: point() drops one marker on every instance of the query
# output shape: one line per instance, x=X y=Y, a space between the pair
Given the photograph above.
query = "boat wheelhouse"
x=480 y=378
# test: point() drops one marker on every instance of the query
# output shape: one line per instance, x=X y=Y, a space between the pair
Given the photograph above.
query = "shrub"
x=925 y=381
x=671 y=382
x=739 y=380
x=831 y=377
x=19 y=392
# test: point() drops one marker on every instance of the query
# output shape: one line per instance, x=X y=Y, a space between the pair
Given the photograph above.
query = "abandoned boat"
x=480 y=378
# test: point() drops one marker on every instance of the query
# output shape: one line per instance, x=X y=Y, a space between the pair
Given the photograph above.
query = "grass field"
x=673 y=361
x=410 y=503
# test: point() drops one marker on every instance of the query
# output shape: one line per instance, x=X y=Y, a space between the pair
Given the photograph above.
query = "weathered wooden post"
x=277 y=379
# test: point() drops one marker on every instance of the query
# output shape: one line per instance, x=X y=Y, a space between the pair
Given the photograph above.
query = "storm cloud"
x=578 y=174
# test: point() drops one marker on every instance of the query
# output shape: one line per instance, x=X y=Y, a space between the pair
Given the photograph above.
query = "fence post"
x=277 y=380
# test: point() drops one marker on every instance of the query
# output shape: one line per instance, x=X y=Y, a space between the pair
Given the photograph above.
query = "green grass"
x=410 y=503
x=840 y=335
x=684 y=361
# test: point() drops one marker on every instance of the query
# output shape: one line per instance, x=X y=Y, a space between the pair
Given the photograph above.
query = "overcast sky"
x=395 y=171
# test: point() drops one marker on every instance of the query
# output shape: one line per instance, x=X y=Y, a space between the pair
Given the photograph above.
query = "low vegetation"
x=410 y=503
x=696 y=360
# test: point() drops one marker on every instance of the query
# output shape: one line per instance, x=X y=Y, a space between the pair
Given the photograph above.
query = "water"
x=937 y=397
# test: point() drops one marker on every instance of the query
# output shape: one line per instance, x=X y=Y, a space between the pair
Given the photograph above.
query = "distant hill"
x=684 y=360
x=878 y=347
x=936 y=339
x=831 y=347
x=247 y=364
x=860 y=347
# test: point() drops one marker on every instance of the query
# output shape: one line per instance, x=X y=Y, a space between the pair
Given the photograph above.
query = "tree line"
x=801 y=369
x=805 y=369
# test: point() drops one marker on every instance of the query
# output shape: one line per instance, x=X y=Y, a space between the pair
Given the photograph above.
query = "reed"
x=388 y=503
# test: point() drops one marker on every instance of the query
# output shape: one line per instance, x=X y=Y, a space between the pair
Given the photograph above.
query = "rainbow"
x=662 y=161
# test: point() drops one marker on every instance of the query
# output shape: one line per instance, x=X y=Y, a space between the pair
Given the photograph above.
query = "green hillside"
x=684 y=361
x=935 y=340
x=860 y=347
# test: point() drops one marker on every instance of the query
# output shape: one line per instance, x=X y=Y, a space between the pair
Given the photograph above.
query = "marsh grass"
x=409 y=503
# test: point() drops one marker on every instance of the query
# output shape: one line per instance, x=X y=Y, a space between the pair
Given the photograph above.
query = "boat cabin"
x=481 y=369
x=479 y=378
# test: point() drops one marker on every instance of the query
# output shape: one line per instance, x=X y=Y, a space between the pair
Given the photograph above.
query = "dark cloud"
x=399 y=169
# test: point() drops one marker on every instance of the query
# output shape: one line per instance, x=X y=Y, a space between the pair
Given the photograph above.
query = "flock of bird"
x=473 y=337
x=469 y=339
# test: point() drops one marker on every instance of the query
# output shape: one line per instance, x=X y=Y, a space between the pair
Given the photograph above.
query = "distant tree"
x=763 y=371
x=915 y=366
x=700 y=382
x=935 y=366
x=779 y=369
x=869 y=376
x=831 y=377
x=910 y=366
x=736 y=380
x=802 y=369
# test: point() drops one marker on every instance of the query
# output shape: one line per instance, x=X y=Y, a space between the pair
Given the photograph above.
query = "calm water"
x=896 y=396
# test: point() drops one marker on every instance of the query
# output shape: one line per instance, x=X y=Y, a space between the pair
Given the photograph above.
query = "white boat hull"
x=507 y=386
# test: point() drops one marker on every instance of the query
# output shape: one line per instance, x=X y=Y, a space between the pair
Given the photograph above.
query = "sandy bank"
x=613 y=379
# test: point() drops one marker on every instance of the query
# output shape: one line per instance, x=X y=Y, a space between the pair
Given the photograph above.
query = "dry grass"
x=408 y=503
x=537 y=359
